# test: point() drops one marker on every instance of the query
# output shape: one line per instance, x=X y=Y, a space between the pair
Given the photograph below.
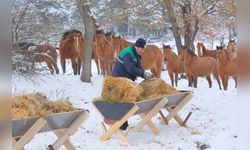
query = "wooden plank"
x=29 y=134
x=176 y=117
x=67 y=144
x=174 y=111
x=163 y=117
x=152 y=113
x=150 y=124
x=118 y=124
x=71 y=130
x=186 y=119
x=122 y=137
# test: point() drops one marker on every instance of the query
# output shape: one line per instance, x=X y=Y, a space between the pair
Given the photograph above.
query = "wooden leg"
x=163 y=117
x=35 y=128
x=115 y=127
x=120 y=135
x=149 y=115
x=150 y=124
x=173 y=112
x=67 y=144
x=71 y=130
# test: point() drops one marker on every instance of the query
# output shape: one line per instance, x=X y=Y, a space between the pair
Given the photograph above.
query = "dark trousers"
x=124 y=126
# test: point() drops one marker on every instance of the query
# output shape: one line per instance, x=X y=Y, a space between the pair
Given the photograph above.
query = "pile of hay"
x=156 y=87
x=117 y=89
x=36 y=104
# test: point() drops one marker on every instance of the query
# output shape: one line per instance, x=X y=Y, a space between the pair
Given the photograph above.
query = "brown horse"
x=231 y=47
x=44 y=57
x=50 y=50
x=206 y=52
x=71 y=47
x=152 y=58
x=196 y=66
x=227 y=68
x=105 y=51
x=174 y=64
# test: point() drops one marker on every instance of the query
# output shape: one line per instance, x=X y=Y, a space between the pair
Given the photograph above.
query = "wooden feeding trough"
x=146 y=109
x=62 y=124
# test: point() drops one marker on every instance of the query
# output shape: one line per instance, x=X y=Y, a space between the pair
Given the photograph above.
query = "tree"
x=187 y=22
x=90 y=29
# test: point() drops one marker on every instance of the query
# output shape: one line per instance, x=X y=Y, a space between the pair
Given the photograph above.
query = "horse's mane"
x=66 y=33
x=166 y=46
x=108 y=33
x=219 y=48
x=100 y=31
x=191 y=52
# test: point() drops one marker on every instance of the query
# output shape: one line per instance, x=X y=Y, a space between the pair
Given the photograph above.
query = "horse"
x=71 y=47
x=44 y=57
x=152 y=58
x=46 y=48
x=174 y=64
x=206 y=52
x=196 y=66
x=48 y=54
x=105 y=51
x=227 y=68
x=231 y=47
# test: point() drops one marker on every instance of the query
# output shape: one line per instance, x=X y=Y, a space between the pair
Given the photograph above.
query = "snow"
x=213 y=115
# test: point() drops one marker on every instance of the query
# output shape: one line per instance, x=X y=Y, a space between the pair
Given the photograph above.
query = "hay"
x=117 y=89
x=155 y=88
x=36 y=104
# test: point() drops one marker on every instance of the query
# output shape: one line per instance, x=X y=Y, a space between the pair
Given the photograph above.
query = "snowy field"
x=214 y=116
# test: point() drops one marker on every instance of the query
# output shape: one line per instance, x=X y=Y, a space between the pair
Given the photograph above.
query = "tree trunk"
x=173 y=21
x=90 y=28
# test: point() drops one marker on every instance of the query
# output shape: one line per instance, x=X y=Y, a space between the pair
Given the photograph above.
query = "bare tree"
x=186 y=22
x=90 y=28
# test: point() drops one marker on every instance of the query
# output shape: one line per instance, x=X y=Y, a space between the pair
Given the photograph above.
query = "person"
x=128 y=65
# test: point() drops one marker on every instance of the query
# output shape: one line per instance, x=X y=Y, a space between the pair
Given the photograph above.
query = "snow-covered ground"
x=214 y=116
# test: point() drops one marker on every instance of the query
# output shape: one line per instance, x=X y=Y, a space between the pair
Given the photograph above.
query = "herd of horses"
x=222 y=63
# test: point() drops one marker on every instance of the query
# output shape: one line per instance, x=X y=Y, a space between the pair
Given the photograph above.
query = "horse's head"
x=77 y=41
x=166 y=50
x=199 y=45
x=231 y=45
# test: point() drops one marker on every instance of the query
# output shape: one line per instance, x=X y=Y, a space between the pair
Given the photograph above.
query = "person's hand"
x=147 y=75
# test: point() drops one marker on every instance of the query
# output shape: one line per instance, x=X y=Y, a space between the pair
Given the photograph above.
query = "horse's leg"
x=176 y=78
x=190 y=80
x=63 y=63
x=74 y=65
x=97 y=65
x=218 y=80
x=209 y=81
x=171 y=75
x=52 y=61
x=50 y=67
x=79 y=64
x=102 y=67
x=235 y=79
x=153 y=71
x=226 y=81
x=195 y=80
